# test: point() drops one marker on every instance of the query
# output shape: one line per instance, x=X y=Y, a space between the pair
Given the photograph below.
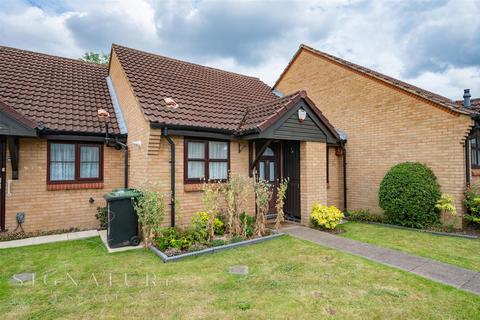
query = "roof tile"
x=63 y=94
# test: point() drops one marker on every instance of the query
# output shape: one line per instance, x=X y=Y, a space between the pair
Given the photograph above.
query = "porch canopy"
x=14 y=124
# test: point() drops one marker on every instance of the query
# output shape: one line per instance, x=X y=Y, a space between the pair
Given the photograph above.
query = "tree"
x=95 y=57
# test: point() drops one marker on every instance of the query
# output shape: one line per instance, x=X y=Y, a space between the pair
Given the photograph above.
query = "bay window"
x=74 y=162
x=206 y=160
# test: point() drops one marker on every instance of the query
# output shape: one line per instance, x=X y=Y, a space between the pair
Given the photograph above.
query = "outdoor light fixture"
x=302 y=114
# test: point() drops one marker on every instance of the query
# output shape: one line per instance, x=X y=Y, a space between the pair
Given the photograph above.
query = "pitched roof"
x=206 y=97
x=61 y=94
x=18 y=116
x=260 y=116
x=437 y=99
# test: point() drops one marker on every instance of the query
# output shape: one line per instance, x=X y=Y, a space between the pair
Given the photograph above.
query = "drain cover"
x=19 y=278
x=241 y=270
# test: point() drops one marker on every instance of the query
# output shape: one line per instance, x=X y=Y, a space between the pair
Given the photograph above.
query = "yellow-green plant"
x=446 y=203
x=210 y=199
x=325 y=217
x=200 y=220
x=263 y=195
x=150 y=209
x=280 y=202
x=236 y=194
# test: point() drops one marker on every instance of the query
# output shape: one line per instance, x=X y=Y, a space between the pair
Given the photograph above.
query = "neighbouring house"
x=70 y=131
x=387 y=121
x=55 y=165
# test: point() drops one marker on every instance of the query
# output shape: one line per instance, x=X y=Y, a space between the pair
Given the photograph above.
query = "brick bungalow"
x=387 y=121
x=171 y=125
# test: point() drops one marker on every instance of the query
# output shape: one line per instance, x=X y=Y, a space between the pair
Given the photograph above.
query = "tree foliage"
x=95 y=57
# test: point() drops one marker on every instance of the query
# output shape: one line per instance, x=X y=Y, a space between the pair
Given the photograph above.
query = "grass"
x=288 y=278
x=462 y=252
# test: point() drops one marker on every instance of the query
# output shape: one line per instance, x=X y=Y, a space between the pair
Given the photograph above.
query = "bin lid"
x=118 y=194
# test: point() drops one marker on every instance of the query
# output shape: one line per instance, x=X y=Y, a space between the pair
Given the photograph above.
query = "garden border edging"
x=438 y=233
x=166 y=258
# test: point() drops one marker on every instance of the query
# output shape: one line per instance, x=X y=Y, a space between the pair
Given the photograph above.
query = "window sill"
x=197 y=187
x=74 y=186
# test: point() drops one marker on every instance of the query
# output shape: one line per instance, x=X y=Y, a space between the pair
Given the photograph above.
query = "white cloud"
x=433 y=44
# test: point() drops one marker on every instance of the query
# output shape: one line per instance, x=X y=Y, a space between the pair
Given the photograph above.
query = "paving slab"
x=48 y=239
x=103 y=236
x=473 y=285
x=464 y=279
x=445 y=273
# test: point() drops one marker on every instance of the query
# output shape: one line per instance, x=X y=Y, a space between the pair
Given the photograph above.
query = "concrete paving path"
x=457 y=277
x=48 y=239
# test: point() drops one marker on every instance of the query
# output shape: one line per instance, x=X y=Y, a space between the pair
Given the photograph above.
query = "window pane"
x=473 y=143
x=89 y=153
x=62 y=171
x=196 y=150
x=89 y=170
x=218 y=170
x=218 y=150
x=268 y=152
x=89 y=162
x=272 y=170
x=62 y=162
x=196 y=169
x=261 y=170
x=477 y=157
x=62 y=152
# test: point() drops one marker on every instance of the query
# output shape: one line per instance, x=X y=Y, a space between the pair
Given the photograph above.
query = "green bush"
x=324 y=217
x=247 y=223
x=200 y=225
x=364 y=215
x=472 y=204
x=408 y=194
x=174 y=238
x=102 y=216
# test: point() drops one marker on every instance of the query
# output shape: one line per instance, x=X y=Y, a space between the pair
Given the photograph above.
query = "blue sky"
x=432 y=44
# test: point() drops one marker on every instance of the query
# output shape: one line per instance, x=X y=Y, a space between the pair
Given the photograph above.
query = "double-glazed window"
x=74 y=162
x=475 y=151
x=206 y=160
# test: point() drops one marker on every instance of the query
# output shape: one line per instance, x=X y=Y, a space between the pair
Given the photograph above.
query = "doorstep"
x=103 y=236
x=48 y=239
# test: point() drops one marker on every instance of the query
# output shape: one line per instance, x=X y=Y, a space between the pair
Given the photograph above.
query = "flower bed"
x=169 y=255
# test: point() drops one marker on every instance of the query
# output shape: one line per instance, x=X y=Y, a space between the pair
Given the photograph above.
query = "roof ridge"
x=374 y=72
x=188 y=62
x=435 y=98
x=53 y=56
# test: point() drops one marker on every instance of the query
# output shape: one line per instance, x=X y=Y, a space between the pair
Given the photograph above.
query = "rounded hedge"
x=408 y=194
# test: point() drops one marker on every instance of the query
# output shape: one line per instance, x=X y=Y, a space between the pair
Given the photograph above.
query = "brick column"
x=313 y=185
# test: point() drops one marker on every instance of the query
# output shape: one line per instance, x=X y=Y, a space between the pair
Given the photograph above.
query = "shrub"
x=236 y=239
x=102 y=216
x=200 y=225
x=174 y=238
x=150 y=209
x=408 y=194
x=472 y=204
x=210 y=199
x=364 y=215
x=247 y=224
x=236 y=192
x=324 y=217
x=263 y=193
x=280 y=202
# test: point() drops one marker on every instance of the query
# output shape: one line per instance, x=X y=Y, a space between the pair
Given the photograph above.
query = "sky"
x=432 y=44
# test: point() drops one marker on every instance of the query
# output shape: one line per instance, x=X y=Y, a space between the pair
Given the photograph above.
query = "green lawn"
x=288 y=279
x=462 y=252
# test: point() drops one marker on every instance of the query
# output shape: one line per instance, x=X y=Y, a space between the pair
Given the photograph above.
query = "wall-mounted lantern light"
x=302 y=114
